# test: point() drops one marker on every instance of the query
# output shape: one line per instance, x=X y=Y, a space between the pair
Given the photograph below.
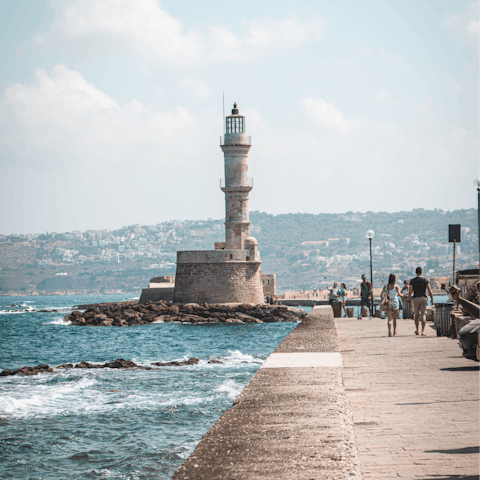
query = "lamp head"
x=370 y=234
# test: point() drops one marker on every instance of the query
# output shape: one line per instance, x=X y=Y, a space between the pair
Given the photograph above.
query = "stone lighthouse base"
x=205 y=276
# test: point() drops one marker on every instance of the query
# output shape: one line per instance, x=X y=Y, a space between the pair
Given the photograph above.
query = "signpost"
x=454 y=237
x=370 y=234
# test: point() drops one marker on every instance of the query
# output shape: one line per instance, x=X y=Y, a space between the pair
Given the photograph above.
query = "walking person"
x=342 y=297
x=419 y=286
x=404 y=302
x=365 y=296
x=393 y=292
x=333 y=293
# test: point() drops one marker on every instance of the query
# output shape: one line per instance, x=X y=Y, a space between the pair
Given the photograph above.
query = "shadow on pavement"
x=472 y=368
x=440 y=401
x=452 y=477
x=456 y=450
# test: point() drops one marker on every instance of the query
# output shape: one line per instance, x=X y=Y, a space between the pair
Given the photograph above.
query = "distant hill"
x=294 y=228
x=302 y=249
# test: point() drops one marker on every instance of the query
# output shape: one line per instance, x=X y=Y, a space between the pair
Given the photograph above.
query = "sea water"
x=108 y=423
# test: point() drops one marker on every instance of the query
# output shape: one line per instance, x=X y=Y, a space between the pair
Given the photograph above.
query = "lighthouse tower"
x=231 y=272
x=237 y=185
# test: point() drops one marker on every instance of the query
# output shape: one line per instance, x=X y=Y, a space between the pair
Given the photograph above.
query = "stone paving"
x=414 y=402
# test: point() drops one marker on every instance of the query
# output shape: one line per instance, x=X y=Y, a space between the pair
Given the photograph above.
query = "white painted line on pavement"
x=303 y=360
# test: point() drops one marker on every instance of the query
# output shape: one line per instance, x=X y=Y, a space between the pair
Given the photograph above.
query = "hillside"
x=303 y=250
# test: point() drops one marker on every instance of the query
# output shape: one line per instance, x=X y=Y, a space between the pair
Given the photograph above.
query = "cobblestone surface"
x=414 y=402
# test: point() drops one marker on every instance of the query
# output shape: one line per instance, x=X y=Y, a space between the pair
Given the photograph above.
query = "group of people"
x=271 y=299
x=413 y=292
x=338 y=295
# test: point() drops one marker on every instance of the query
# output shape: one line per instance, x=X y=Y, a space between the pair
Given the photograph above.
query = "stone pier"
x=291 y=421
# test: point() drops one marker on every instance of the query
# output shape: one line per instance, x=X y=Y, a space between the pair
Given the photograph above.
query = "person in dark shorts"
x=365 y=296
x=419 y=286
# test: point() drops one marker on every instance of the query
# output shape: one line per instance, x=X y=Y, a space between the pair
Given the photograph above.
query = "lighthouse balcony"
x=248 y=183
x=235 y=139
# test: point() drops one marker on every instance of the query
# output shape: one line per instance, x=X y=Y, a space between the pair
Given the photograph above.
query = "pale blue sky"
x=110 y=111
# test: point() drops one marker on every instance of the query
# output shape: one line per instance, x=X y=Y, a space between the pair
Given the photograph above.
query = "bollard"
x=407 y=310
x=337 y=309
x=349 y=312
x=443 y=320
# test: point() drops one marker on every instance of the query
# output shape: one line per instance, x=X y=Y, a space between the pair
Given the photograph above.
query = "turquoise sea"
x=115 y=424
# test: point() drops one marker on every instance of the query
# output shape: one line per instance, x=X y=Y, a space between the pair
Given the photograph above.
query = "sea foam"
x=59 y=321
x=28 y=398
x=231 y=388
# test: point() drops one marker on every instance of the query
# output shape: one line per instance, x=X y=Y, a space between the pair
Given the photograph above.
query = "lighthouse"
x=231 y=272
x=237 y=185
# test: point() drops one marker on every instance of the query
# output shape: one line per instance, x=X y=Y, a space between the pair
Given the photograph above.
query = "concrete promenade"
x=340 y=399
x=414 y=402
x=292 y=421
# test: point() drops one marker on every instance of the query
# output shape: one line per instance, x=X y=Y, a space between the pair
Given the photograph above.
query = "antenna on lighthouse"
x=224 y=112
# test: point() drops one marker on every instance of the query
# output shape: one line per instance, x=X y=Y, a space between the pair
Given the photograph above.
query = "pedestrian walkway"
x=414 y=402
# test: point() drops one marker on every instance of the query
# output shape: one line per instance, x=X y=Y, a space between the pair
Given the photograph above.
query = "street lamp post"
x=478 y=212
x=370 y=234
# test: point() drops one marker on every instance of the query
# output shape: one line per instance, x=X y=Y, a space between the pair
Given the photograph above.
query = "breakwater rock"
x=123 y=315
x=118 y=363
x=27 y=371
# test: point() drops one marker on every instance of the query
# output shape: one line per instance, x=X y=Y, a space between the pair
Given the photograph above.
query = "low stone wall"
x=459 y=321
x=302 y=302
x=156 y=294
x=292 y=421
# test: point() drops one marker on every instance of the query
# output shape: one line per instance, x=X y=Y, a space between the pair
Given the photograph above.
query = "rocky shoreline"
x=125 y=314
x=119 y=363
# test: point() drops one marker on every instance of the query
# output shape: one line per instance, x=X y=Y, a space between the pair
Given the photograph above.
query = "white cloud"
x=330 y=116
x=466 y=26
x=427 y=105
x=473 y=29
x=377 y=54
x=196 y=86
x=105 y=26
x=64 y=116
x=255 y=120
x=383 y=97
x=70 y=94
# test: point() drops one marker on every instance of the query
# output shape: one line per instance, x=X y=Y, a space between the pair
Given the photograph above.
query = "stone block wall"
x=269 y=284
x=156 y=294
x=224 y=282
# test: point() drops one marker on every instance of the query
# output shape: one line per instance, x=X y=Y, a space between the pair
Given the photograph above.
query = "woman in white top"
x=394 y=293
